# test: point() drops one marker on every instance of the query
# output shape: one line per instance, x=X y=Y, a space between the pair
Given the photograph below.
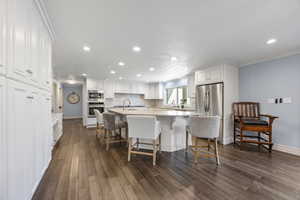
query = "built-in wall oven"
x=95 y=95
x=95 y=105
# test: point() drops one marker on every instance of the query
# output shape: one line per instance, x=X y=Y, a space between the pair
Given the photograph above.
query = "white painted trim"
x=45 y=17
x=73 y=117
x=287 y=149
x=227 y=140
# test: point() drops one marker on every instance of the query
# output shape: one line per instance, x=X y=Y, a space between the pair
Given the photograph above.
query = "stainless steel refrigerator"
x=210 y=101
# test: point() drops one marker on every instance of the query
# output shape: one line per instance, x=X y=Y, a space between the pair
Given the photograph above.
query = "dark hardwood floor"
x=82 y=169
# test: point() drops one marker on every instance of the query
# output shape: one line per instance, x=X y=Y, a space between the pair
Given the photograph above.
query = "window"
x=177 y=96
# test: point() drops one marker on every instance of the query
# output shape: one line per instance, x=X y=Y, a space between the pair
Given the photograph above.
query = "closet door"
x=3 y=135
x=18 y=51
x=3 y=35
x=19 y=137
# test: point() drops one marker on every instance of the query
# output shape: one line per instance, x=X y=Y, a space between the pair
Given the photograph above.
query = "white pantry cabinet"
x=29 y=144
x=3 y=36
x=19 y=140
x=34 y=44
x=18 y=29
x=109 y=89
x=26 y=136
x=3 y=153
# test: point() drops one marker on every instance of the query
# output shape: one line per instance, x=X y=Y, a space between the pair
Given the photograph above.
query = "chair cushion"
x=255 y=122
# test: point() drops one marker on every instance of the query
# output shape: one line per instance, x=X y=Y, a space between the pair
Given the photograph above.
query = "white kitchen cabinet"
x=122 y=87
x=154 y=91
x=34 y=44
x=109 y=89
x=191 y=86
x=3 y=143
x=18 y=47
x=44 y=57
x=209 y=75
x=93 y=84
x=19 y=140
x=3 y=36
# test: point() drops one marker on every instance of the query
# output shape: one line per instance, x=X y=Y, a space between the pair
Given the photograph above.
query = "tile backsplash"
x=135 y=99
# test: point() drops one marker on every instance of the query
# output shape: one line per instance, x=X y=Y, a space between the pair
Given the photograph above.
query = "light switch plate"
x=287 y=100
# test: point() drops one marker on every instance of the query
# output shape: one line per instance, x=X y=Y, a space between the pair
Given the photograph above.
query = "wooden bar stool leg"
x=208 y=144
x=129 y=148
x=216 y=152
x=138 y=144
x=107 y=139
x=186 y=141
x=126 y=135
x=159 y=140
x=154 y=152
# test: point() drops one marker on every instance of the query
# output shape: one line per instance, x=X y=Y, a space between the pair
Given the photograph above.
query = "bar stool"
x=99 y=122
x=205 y=127
x=143 y=127
x=110 y=129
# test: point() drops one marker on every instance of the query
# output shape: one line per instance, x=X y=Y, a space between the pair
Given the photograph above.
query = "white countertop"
x=150 y=111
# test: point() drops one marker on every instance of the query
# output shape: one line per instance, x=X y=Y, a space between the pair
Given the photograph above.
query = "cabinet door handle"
x=48 y=99
x=30 y=97
x=47 y=82
x=1 y=65
x=29 y=71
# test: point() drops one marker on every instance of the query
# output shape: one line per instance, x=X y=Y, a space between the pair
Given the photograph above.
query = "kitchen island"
x=172 y=122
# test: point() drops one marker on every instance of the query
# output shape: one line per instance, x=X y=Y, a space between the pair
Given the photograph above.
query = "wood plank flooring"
x=82 y=169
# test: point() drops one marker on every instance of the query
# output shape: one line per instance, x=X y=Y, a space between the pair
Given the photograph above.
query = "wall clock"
x=73 y=98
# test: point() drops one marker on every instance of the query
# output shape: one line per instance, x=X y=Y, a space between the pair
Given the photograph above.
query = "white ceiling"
x=199 y=33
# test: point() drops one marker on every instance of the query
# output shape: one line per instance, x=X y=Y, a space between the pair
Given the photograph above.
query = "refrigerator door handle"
x=208 y=101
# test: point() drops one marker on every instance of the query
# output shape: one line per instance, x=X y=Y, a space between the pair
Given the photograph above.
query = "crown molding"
x=45 y=17
x=292 y=53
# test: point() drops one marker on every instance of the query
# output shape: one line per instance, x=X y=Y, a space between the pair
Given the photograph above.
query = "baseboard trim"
x=227 y=140
x=73 y=117
x=287 y=149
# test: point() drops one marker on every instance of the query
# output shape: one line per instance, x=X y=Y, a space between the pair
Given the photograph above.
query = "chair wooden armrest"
x=240 y=119
x=271 y=118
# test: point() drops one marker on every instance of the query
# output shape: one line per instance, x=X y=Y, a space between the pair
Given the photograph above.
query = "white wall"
x=72 y=110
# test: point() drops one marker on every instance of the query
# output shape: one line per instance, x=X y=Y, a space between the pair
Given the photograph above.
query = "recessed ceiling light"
x=271 y=41
x=151 y=69
x=173 y=58
x=112 y=71
x=139 y=75
x=83 y=74
x=136 y=49
x=86 y=48
x=121 y=63
x=121 y=78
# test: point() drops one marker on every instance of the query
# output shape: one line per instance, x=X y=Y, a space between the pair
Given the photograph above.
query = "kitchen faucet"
x=128 y=101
